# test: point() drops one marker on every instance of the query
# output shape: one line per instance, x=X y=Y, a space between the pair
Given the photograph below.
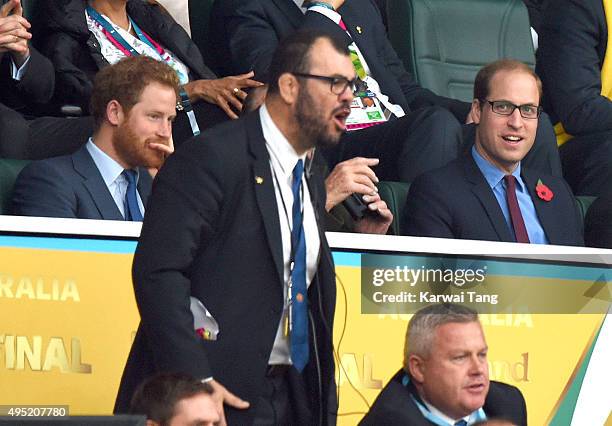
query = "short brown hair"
x=486 y=74
x=125 y=81
x=293 y=54
x=158 y=396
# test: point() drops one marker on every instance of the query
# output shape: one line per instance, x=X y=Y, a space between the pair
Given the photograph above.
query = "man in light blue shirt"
x=445 y=376
x=487 y=194
x=133 y=105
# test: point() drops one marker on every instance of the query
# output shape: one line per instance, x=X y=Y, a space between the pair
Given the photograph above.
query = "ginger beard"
x=134 y=150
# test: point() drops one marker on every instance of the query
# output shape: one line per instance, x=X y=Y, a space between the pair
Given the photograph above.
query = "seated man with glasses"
x=486 y=194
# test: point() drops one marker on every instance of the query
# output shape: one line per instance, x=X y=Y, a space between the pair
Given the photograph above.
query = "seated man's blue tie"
x=299 y=299
x=132 y=211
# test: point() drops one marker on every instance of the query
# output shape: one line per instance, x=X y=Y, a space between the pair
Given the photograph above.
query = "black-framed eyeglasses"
x=527 y=111
x=337 y=85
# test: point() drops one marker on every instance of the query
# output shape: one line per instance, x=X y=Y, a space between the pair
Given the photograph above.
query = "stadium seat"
x=444 y=43
x=584 y=203
x=396 y=193
x=9 y=170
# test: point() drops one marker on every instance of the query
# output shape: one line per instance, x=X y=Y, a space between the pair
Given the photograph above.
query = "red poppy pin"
x=543 y=191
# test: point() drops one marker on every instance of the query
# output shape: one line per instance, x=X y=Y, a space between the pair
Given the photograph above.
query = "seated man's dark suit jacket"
x=572 y=48
x=212 y=231
x=456 y=201
x=395 y=406
x=598 y=222
x=69 y=186
x=246 y=33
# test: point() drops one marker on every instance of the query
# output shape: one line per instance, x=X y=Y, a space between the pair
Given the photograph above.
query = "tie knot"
x=510 y=181
x=298 y=171
x=130 y=175
x=462 y=422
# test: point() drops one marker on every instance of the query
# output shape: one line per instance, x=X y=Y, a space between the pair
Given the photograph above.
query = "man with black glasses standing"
x=487 y=195
x=233 y=277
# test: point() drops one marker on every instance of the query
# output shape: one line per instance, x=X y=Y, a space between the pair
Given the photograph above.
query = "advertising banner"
x=68 y=315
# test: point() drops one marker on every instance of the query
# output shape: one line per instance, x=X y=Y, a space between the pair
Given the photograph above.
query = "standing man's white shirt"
x=282 y=161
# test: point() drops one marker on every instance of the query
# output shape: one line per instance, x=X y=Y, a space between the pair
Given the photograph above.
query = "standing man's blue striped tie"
x=299 y=300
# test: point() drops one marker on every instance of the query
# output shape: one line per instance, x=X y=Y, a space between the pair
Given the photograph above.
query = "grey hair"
x=423 y=324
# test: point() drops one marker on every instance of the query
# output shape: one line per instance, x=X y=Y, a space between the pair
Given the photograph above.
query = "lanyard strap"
x=128 y=50
x=112 y=34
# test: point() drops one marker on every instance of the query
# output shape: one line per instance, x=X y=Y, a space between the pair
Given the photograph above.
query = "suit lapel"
x=93 y=182
x=352 y=19
x=264 y=189
x=485 y=195
x=291 y=11
x=546 y=211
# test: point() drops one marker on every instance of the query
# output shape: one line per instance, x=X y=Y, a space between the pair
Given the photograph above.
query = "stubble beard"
x=313 y=126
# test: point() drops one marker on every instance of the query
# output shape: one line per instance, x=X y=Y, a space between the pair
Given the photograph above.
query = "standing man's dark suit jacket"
x=456 y=201
x=395 y=406
x=69 y=186
x=246 y=33
x=212 y=231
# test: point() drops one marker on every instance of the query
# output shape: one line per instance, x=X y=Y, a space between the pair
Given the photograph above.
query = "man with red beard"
x=133 y=106
x=445 y=377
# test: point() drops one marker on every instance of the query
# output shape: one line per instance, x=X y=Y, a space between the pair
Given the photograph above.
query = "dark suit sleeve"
x=36 y=84
x=252 y=39
x=598 y=227
x=73 y=85
x=38 y=81
x=569 y=64
x=427 y=212
x=42 y=190
x=177 y=225
x=506 y=402
x=577 y=218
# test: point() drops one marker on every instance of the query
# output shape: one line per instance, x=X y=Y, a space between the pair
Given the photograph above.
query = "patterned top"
x=113 y=55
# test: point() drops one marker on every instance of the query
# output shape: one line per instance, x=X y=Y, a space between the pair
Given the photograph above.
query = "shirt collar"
x=443 y=416
x=281 y=151
x=491 y=173
x=109 y=168
x=300 y=4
